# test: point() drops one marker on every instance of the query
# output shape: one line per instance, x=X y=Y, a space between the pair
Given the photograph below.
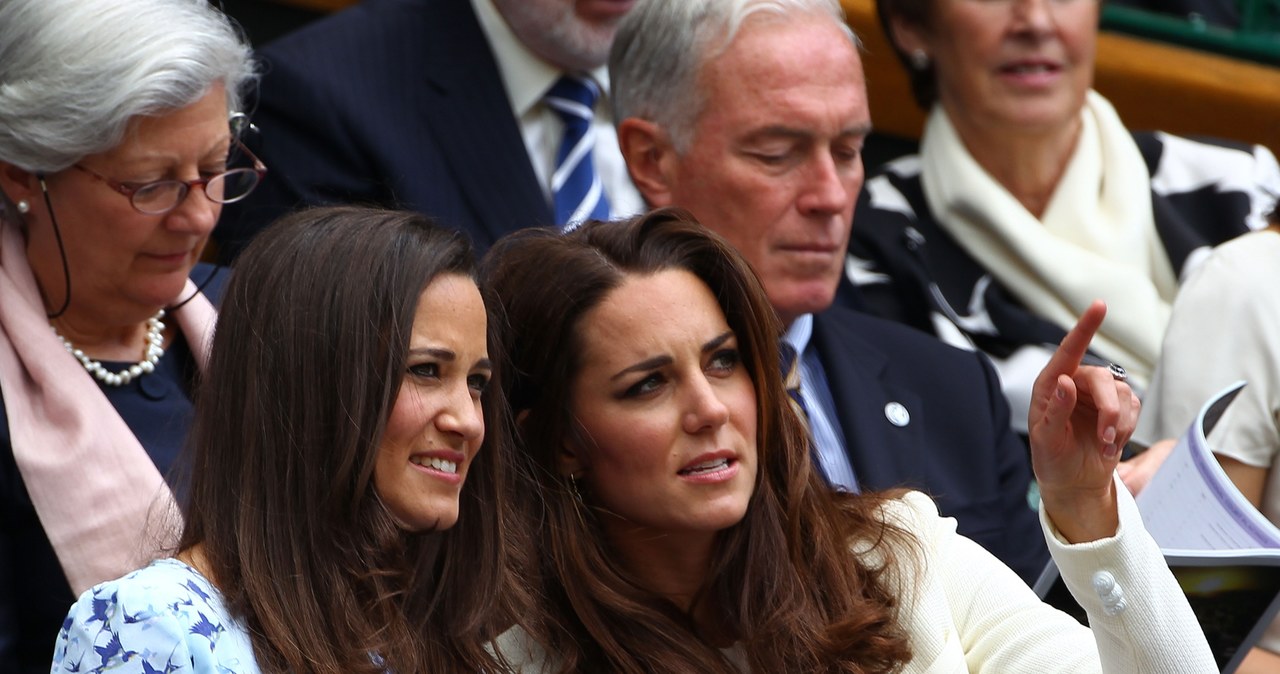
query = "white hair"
x=662 y=44
x=73 y=73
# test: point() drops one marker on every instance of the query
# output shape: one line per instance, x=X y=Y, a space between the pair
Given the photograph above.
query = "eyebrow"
x=783 y=131
x=228 y=141
x=659 y=361
x=449 y=356
x=441 y=354
x=775 y=131
x=717 y=341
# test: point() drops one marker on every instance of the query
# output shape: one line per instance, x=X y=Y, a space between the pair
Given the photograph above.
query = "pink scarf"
x=100 y=498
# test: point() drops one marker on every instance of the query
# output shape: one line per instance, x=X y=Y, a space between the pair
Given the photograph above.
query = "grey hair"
x=661 y=46
x=74 y=73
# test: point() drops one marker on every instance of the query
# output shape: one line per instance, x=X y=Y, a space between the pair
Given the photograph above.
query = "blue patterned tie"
x=789 y=361
x=577 y=193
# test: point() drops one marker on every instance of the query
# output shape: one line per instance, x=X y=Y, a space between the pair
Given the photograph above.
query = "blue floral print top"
x=163 y=618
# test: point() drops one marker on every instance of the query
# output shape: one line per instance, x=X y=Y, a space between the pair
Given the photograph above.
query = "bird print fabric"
x=164 y=618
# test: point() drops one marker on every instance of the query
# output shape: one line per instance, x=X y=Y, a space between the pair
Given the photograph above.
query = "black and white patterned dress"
x=906 y=267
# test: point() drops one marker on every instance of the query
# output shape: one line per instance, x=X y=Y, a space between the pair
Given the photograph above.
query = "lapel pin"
x=897 y=414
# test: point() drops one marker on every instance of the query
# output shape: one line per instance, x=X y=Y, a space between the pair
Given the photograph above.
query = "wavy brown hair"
x=783 y=581
x=307 y=361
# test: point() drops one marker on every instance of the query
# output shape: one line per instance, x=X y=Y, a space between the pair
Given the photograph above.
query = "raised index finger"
x=1066 y=360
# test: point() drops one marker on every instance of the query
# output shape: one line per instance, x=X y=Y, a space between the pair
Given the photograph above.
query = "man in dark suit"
x=758 y=132
x=432 y=105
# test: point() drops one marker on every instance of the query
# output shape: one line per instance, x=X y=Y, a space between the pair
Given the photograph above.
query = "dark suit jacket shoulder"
x=397 y=103
x=957 y=445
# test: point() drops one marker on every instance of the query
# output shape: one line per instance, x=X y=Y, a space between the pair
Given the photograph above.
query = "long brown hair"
x=783 y=582
x=308 y=357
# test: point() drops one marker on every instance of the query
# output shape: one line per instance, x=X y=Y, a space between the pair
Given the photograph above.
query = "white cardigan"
x=967 y=612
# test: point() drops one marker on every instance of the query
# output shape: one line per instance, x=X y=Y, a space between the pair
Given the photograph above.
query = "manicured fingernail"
x=1110 y=450
x=1109 y=435
x=1059 y=393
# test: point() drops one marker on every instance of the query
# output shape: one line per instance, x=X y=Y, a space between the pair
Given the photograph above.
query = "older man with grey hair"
x=752 y=115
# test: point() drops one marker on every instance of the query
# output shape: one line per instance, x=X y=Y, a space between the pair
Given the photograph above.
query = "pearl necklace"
x=154 y=350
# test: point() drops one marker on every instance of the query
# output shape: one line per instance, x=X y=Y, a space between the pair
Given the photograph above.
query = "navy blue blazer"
x=957 y=446
x=397 y=103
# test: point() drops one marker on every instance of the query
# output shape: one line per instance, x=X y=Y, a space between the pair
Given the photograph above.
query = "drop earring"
x=919 y=59
x=573 y=487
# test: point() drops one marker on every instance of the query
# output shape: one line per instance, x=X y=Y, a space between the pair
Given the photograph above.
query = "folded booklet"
x=1224 y=553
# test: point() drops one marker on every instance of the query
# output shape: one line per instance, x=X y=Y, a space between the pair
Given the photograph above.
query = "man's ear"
x=650 y=159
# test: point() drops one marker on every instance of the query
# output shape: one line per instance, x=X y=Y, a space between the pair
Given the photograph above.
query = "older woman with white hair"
x=117 y=150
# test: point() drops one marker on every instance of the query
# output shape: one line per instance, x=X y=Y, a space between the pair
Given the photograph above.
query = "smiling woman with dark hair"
x=682 y=525
x=348 y=510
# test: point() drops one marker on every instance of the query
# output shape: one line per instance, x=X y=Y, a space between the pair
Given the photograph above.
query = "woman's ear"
x=570 y=460
x=907 y=36
x=18 y=184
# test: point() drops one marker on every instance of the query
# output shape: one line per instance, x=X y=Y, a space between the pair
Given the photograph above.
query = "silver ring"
x=1117 y=372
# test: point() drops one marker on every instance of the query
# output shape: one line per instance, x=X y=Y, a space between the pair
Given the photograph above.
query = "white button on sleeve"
x=1110 y=592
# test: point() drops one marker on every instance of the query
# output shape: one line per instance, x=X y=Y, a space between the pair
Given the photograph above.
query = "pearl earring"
x=24 y=206
x=919 y=59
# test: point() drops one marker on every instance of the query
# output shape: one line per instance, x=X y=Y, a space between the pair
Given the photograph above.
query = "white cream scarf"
x=1097 y=238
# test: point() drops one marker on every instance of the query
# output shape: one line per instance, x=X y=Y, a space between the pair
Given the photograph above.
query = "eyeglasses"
x=161 y=196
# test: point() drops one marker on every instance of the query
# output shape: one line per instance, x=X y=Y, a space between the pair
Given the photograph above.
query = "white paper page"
x=1191 y=504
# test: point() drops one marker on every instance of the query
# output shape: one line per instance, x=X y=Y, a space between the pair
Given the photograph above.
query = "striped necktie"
x=790 y=364
x=835 y=469
x=577 y=193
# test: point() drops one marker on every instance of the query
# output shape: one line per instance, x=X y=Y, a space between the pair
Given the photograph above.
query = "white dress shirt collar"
x=526 y=79
x=799 y=334
x=525 y=76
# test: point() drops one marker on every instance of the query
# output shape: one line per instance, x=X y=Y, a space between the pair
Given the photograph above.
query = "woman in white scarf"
x=1030 y=198
x=1030 y=191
